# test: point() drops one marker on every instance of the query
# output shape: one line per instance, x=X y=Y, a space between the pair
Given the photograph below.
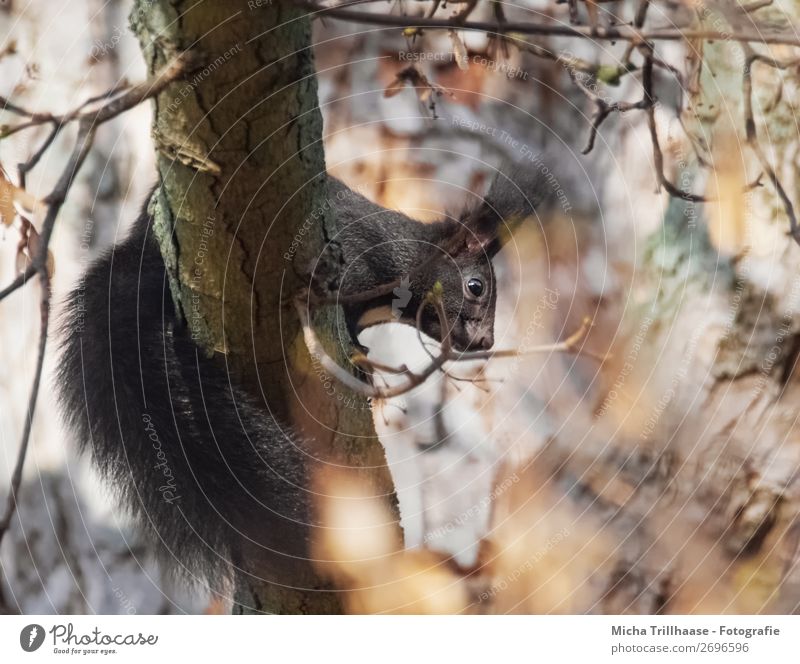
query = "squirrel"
x=205 y=470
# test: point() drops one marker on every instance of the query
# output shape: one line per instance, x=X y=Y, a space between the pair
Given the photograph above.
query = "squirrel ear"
x=481 y=232
x=511 y=200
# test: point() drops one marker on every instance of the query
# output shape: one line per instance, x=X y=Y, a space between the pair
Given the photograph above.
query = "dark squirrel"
x=203 y=468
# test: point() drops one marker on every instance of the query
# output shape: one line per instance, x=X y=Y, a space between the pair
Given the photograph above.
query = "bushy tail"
x=209 y=475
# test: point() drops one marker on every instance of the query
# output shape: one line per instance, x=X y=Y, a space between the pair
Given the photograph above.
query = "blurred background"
x=661 y=478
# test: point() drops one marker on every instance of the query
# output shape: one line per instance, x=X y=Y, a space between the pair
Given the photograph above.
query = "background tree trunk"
x=240 y=158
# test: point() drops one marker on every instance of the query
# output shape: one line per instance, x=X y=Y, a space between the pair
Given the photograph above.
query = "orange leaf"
x=459 y=50
x=14 y=199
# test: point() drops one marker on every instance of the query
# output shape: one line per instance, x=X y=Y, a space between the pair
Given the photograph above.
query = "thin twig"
x=570 y=62
x=617 y=33
x=751 y=136
x=463 y=15
x=88 y=121
x=437 y=362
x=603 y=109
x=16 y=477
x=638 y=23
x=20 y=281
x=127 y=99
x=39 y=265
x=650 y=109
x=26 y=167
x=572 y=5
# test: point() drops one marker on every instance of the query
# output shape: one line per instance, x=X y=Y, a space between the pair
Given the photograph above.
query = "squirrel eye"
x=475 y=286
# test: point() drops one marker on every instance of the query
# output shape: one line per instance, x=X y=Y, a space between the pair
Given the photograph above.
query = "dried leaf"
x=15 y=200
x=426 y=90
x=394 y=87
x=459 y=50
x=411 y=76
x=7 y=209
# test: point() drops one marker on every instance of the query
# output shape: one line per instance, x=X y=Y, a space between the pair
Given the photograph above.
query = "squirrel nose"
x=485 y=342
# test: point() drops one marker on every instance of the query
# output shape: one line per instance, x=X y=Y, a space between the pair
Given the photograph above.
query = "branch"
x=639 y=39
x=21 y=280
x=39 y=266
x=648 y=103
x=447 y=354
x=751 y=136
x=638 y=23
x=463 y=15
x=127 y=99
x=16 y=477
x=650 y=108
x=617 y=33
x=570 y=62
x=318 y=352
x=88 y=121
x=603 y=109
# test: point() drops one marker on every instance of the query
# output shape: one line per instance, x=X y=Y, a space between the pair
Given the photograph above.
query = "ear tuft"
x=518 y=192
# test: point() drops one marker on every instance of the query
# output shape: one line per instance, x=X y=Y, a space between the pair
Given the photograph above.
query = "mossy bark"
x=240 y=160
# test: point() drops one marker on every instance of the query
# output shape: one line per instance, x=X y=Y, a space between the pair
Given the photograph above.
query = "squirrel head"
x=468 y=293
x=452 y=258
x=462 y=271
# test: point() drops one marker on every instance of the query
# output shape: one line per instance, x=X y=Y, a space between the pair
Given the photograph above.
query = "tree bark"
x=241 y=164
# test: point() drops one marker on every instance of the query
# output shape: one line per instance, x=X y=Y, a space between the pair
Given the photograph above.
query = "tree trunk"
x=240 y=159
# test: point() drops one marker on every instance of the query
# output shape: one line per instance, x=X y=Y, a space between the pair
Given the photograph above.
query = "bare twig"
x=463 y=15
x=16 y=477
x=751 y=136
x=650 y=108
x=351 y=382
x=617 y=33
x=28 y=166
x=435 y=7
x=603 y=109
x=20 y=281
x=127 y=98
x=414 y=379
x=88 y=121
x=570 y=62
x=573 y=11
x=572 y=344
x=39 y=266
x=638 y=23
x=639 y=38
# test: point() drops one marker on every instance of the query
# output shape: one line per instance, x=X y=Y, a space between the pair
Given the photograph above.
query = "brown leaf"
x=425 y=89
x=411 y=76
x=14 y=199
x=459 y=50
x=394 y=87
x=7 y=210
